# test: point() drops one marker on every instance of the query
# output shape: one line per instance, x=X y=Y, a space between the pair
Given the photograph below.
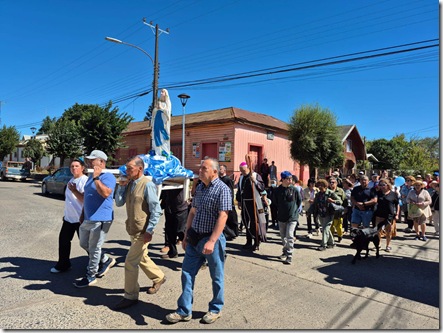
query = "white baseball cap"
x=97 y=154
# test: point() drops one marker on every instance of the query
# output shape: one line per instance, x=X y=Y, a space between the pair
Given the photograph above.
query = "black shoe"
x=125 y=303
x=339 y=239
x=247 y=246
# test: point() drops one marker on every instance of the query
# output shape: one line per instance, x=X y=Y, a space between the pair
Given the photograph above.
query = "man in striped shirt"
x=204 y=229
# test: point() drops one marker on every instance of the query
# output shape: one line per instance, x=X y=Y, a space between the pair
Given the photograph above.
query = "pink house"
x=227 y=134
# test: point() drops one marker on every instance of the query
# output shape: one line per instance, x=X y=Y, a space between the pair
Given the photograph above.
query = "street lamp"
x=183 y=99
x=154 y=82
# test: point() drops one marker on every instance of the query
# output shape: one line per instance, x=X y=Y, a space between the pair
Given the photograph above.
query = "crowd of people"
x=334 y=205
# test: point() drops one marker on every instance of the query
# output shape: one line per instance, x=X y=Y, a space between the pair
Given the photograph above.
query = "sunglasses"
x=382 y=184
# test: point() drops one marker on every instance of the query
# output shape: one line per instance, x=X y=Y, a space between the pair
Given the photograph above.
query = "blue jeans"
x=92 y=236
x=192 y=262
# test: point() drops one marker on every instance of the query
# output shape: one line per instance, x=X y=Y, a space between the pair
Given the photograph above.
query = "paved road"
x=320 y=290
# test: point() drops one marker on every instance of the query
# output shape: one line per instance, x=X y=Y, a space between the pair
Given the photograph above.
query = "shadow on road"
x=409 y=278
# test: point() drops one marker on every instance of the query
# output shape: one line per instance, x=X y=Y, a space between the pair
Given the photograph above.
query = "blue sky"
x=54 y=54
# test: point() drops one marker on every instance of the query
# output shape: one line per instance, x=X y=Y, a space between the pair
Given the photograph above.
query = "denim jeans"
x=92 y=236
x=287 y=236
x=192 y=262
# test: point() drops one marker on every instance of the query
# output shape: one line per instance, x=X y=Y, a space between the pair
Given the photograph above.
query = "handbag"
x=336 y=210
x=414 y=211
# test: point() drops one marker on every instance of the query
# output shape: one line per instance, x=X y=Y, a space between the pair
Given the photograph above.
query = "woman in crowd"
x=308 y=199
x=325 y=212
x=420 y=198
x=72 y=212
x=388 y=210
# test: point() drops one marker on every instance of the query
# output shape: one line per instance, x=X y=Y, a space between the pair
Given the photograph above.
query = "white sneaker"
x=309 y=235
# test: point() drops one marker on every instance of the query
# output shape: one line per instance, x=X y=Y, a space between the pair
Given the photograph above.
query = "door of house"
x=210 y=149
x=255 y=152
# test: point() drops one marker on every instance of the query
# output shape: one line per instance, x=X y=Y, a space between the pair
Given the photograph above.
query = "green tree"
x=64 y=140
x=9 y=139
x=47 y=124
x=34 y=149
x=100 y=127
x=315 y=138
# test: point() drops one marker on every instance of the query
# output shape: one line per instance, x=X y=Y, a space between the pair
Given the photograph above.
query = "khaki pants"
x=138 y=256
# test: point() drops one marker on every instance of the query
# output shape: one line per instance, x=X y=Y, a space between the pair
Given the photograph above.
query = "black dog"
x=362 y=238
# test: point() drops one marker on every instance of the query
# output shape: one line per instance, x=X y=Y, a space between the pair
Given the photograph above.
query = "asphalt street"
x=320 y=290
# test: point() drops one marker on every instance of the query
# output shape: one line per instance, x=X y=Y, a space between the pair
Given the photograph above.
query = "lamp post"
x=183 y=99
x=154 y=81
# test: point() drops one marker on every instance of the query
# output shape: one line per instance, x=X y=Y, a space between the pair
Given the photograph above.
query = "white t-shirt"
x=73 y=206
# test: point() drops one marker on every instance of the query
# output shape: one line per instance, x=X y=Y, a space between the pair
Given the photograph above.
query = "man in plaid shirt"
x=205 y=225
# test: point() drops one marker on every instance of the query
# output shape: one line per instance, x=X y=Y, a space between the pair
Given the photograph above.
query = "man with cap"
x=288 y=201
x=96 y=219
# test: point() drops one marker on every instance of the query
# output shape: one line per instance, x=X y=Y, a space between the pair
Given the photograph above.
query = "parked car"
x=56 y=183
x=14 y=170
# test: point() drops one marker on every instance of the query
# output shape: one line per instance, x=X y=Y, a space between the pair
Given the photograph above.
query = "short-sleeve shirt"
x=209 y=201
x=361 y=194
x=73 y=206
x=386 y=204
x=97 y=208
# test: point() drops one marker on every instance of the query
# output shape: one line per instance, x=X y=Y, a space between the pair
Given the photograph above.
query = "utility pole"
x=157 y=32
x=1 y=112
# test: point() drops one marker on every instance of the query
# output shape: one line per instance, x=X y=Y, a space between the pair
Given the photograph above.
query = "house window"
x=348 y=146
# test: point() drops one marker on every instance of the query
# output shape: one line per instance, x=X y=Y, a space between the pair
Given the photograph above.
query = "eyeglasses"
x=382 y=184
x=332 y=182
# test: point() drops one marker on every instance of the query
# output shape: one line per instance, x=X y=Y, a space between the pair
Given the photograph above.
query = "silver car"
x=57 y=182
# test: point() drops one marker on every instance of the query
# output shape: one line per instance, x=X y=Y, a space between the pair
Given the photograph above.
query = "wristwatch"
x=96 y=178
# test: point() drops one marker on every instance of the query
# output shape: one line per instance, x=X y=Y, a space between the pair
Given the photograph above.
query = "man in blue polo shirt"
x=96 y=219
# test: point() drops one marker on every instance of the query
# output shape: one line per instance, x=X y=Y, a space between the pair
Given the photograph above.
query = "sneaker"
x=417 y=238
x=388 y=249
x=331 y=246
x=210 y=317
x=321 y=248
x=425 y=238
x=104 y=268
x=408 y=230
x=309 y=235
x=55 y=270
x=85 y=282
x=175 y=317
x=288 y=261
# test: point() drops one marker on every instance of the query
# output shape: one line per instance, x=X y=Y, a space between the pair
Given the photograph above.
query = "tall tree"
x=9 y=139
x=315 y=138
x=47 y=124
x=34 y=149
x=100 y=127
x=64 y=140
